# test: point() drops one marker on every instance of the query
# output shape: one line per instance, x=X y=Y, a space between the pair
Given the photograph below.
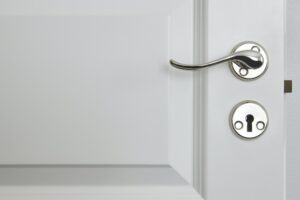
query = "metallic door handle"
x=246 y=56
x=250 y=59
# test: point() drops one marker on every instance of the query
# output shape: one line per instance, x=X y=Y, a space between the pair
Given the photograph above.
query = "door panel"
x=84 y=87
x=90 y=89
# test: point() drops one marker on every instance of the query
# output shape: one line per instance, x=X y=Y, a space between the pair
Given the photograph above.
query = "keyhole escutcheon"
x=249 y=119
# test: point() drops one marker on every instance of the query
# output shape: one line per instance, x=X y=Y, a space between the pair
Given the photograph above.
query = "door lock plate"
x=244 y=73
x=249 y=119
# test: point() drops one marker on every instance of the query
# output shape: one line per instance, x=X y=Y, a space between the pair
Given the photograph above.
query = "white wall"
x=293 y=100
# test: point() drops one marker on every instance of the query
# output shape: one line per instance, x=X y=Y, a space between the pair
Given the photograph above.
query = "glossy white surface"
x=236 y=168
x=229 y=168
x=88 y=83
x=82 y=89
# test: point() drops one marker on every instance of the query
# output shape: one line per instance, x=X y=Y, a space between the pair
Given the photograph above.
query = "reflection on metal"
x=249 y=119
x=248 y=60
x=243 y=72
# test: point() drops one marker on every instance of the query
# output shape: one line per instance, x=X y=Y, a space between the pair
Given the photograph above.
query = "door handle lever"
x=245 y=58
x=249 y=59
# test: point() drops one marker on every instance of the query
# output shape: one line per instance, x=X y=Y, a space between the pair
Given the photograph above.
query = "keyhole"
x=249 y=120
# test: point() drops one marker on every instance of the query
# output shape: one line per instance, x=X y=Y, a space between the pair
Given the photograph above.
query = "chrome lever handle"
x=249 y=58
x=248 y=61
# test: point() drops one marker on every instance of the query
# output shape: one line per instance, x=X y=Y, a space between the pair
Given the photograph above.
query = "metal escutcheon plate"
x=249 y=119
x=249 y=74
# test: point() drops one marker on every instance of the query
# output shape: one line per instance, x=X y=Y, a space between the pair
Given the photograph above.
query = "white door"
x=91 y=108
